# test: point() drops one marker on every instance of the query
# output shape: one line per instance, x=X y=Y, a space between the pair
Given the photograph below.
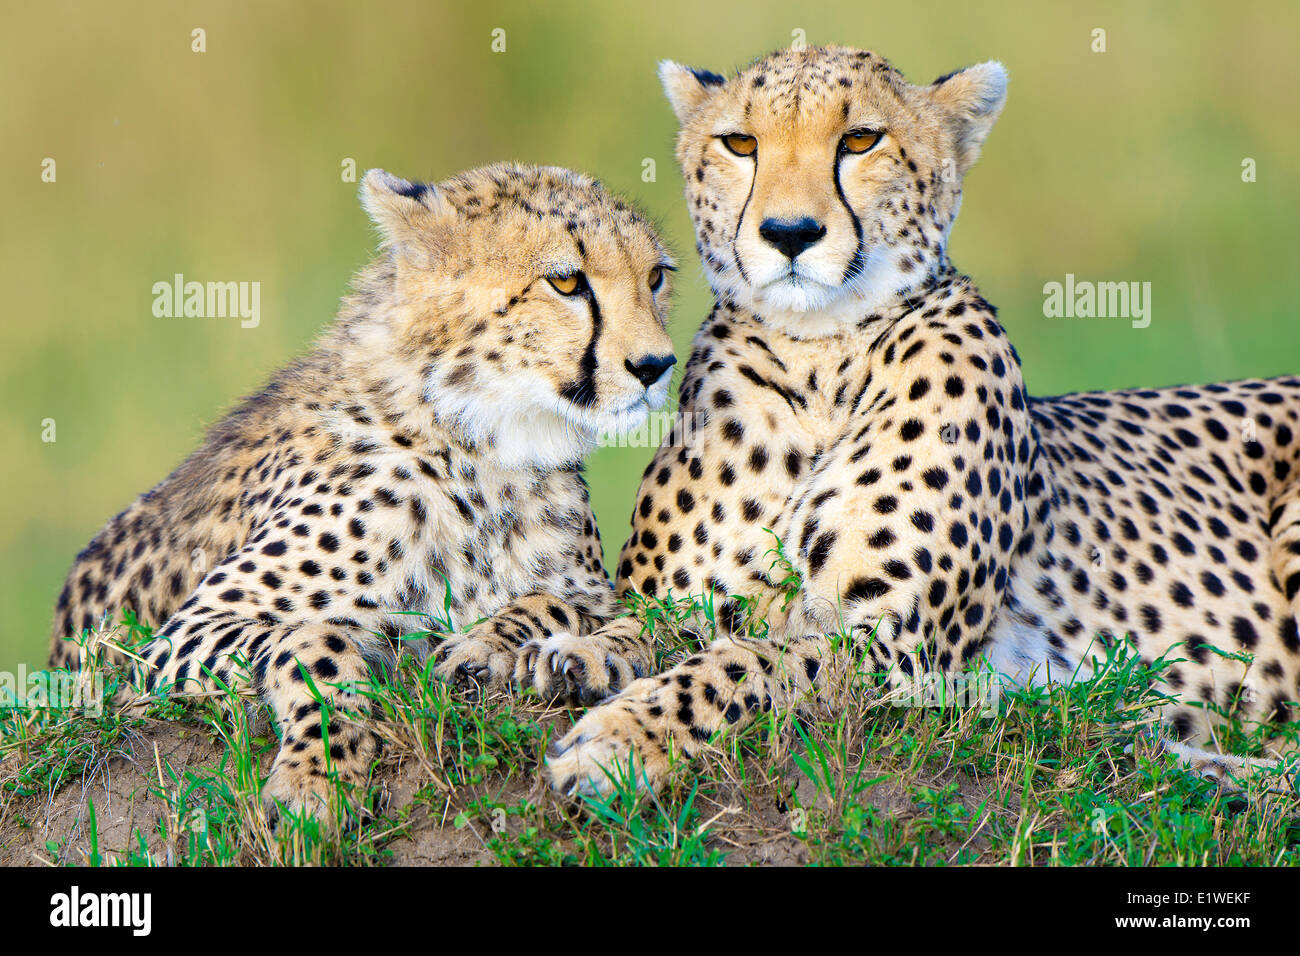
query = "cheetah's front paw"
x=582 y=670
x=612 y=742
x=300 y=789
x=471 y=663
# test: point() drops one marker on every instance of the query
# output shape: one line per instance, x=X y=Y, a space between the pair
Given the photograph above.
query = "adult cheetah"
x=428 y=448
x=856 y=395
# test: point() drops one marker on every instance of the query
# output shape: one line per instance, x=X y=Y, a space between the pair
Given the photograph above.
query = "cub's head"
x=533 y=302
x=822 y=184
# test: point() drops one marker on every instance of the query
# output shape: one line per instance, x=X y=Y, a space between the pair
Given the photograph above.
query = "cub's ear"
x=973 y=98
x=404 y=211
x=687 y=89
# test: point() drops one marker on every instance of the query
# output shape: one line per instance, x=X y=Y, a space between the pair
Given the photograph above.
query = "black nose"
x=648 y=369
x=791 y=236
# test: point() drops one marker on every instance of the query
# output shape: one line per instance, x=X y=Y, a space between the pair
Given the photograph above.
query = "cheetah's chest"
x=767 y=428
x=501 y=548
x=444 y=535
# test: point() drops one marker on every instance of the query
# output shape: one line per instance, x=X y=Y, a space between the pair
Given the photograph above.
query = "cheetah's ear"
x=403 y=211
x=687 y=89
x=973 y=98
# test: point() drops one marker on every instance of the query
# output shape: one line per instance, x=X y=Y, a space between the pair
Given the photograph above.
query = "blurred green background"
x=226 y=165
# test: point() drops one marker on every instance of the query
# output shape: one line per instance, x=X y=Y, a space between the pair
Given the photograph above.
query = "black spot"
x=1244 y=631
x=935 y=478
x=866 y=588
x=911 y=430
x=821 y=550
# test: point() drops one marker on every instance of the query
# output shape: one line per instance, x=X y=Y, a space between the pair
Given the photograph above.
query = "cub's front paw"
x=622 y=740
x=296 y=788
x=581 y=670
x=472 y=663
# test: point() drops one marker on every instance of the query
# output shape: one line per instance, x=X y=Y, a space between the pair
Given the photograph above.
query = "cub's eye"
x=570 y=284
x=656 y=278
x=860 y=140
x=740 y=144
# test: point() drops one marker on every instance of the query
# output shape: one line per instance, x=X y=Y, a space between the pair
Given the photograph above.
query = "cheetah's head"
x=822 y=184
x=533 y=301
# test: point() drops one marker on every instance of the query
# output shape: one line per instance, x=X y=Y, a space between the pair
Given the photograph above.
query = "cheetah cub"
x=428 y=449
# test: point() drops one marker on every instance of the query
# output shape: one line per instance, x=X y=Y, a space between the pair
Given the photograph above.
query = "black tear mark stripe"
x=583 y=391
x=859 y=260
x=740 y=221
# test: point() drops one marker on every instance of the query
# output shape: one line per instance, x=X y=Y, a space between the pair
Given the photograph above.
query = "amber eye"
x=740 y=144
x=860 y=140
x=570 y=284
x=656 y=278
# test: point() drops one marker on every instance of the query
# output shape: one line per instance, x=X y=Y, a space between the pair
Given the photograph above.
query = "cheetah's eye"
x=656 y=278
x=740 y=144
x=570 y=284
x=860 y=140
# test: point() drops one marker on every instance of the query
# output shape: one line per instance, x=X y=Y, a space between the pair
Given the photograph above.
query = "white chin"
x=529 y=425
x=796 y=296
x=626 y=420
x=633 y=415
x=806 y=308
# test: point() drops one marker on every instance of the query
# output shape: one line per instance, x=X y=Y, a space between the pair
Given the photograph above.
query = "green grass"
x=1067 y=775
x=1123 y=165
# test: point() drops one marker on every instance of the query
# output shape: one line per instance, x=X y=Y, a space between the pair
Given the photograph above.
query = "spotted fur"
x=860 y=399
x=425 y=453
